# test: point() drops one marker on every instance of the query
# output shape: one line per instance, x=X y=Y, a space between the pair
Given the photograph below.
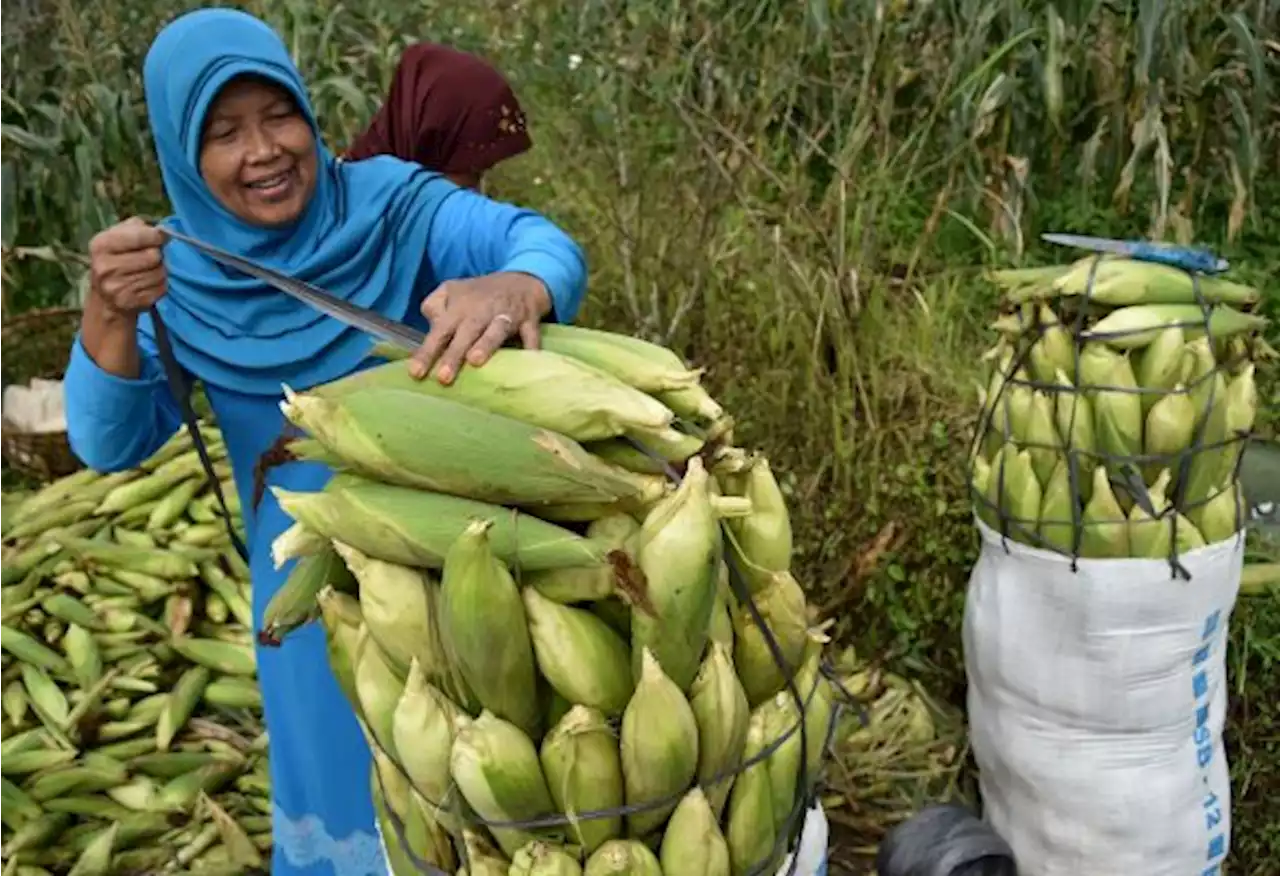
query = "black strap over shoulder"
x=181 y=391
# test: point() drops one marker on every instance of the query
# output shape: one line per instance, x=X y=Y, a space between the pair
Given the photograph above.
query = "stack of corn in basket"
x=560 y=603
x=132 y=735
x=1121 y=397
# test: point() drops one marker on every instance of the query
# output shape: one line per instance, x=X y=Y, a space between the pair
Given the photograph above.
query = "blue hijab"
x=362 y=237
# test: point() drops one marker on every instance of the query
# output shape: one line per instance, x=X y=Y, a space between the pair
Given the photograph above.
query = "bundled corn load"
x=554 y=642
x=1120 y=399
x=132 y=738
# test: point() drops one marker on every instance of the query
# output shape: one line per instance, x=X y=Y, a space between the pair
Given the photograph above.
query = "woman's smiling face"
x=258 y=153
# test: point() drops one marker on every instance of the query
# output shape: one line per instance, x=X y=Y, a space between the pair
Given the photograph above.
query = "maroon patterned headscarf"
x=447 y=110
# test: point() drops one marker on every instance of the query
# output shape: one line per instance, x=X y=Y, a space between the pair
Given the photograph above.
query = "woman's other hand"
x=471 y=319
x=126 y=267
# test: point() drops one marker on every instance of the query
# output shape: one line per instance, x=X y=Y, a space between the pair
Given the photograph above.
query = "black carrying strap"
x=181 y=391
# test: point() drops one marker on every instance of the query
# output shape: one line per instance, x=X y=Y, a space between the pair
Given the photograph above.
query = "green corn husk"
x=498 y=773
x=1135 y=326
x=669 y=444
x=659 y=746
x=95 y=860
x=422 y=729
x=720 y=629
x=1161 y=365
x=647 y=366
x=722 y=712
x=1223 y=515
x=417 y=528
x=1042 y=440
x=679 y=552
x=543 y=859
x=763 y=537
x=980 y=490
x=583 y=767
x=585 y=661
x=1020 y=493
x=1152 y=537
x=295 y=604
x=782 y=606
x=613 y=532
x=819 y=698
x=621 y=452
x=1073 y=414
x=1118 y=411
x=749 y=827
x=1053 y=350
x=692 y=844
x=340 y=613
x=433 y=447
x=1105 y=529
x=1206 y=380
x=485 y=630
x=623 y=858
x=1057 y=506
x=1170 y=428
x=399 y=606
x=780 y=719
x=378 y=687
x=615 y=613
x=482 y=858
x=1122 y=282
x=539 y=387
x=1229 y=419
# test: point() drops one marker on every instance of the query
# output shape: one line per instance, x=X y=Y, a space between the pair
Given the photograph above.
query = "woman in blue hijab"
x=245 y=169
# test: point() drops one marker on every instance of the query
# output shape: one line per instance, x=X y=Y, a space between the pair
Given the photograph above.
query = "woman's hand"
x=471 y=319
x=126 y=276
x=126 y=267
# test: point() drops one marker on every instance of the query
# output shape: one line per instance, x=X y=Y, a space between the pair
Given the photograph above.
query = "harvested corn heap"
x=1119 y=403
x=132 y=737
x=543 y=641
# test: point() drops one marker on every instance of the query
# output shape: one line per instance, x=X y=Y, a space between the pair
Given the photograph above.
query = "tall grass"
x=797 y=195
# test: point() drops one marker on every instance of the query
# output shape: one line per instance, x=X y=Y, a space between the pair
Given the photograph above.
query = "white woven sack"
x=1096 y=706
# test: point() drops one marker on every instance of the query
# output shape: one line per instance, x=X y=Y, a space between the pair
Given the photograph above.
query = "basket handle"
x=181 y=391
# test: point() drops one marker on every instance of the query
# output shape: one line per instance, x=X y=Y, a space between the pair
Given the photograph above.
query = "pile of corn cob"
x=1116 y=378
x=907 y=750
x=537 y=627
x=132 y=737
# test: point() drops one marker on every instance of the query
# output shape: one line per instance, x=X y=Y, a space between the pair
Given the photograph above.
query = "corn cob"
x=1105 y=529
x=497 y=771
x=623 y=858
x=639 y=363
x=543 y=859
x=581 y=761
x=763 y=537
x=482 y=858
x=485 y=630
x=749 y=829
x=540 y=388
x=782 y=607
x=416 y=528
x=679 y=547
x=433 y=447
x=692 y=844
x=1222 y=515
x=1138 y=325
x=295 y=603
x=585 y=661
x=1162 y=365
x=659 y=746
x=721 y=711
